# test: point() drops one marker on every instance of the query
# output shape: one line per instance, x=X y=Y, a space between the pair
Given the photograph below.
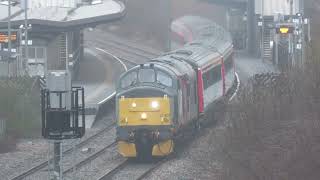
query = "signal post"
x=282 y=29
x=63 y=111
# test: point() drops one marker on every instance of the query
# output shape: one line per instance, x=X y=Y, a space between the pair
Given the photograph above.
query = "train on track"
x=156 y=100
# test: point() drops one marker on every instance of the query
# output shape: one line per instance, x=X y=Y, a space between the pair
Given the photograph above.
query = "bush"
x=20 y=105
x=273 y=129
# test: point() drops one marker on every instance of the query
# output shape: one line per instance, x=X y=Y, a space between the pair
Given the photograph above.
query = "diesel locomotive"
x=157 y=99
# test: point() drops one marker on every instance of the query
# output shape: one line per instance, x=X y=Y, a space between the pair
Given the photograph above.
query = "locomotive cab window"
x=164 y=79
x=129 y=79
x=147 y=75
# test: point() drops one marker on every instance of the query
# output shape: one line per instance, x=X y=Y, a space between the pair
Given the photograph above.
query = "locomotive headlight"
x=154 y=104
x=144 y=116
x=134 y=105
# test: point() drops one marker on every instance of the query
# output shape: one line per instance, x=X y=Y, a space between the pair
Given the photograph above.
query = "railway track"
x=128 y=52
x=121 y=52
x=132 y=170
x=114 y=171
x=152 y=168
x=132 y=56
x=129 y=62
x=132 y=48
x=67 y=152
x=88 y=159
x=116 y=40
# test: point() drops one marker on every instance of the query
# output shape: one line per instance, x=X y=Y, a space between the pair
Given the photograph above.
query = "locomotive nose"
x=143 y=123
x=150 y=111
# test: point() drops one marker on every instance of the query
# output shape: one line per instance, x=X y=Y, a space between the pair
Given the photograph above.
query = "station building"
x=52 y=33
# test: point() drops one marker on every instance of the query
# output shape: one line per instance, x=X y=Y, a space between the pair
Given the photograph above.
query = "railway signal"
x=62 y=107
x=284 y=29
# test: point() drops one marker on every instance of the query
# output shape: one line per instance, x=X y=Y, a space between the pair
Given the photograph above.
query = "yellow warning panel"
x=144 y=111
x=163 y=149
x=127 y=149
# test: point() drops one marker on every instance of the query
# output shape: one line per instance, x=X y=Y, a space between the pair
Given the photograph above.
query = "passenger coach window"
x=129 y=79
x=164 y=79
x=147 y=75
x=212 y=76
x=229 y=64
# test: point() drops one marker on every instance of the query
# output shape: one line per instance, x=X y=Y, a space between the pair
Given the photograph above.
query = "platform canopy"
x=62 y=13
x=229 y=3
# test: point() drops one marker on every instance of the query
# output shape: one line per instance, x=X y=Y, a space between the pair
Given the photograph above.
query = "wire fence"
x=19 y=106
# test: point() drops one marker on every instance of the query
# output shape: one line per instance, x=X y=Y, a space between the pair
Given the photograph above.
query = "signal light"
x=284 y=30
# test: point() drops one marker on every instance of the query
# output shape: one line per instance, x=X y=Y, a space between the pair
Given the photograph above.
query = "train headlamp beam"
x=154 y=104
x=134 y=105
x=144 y=116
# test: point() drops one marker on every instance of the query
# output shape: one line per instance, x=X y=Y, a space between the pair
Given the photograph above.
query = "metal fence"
x=19 y=105
x=2 y=127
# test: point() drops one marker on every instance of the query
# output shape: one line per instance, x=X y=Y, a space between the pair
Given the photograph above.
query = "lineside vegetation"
x=272 y=131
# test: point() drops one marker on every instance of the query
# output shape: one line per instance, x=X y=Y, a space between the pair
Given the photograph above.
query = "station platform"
x=95 y=95
x=96 y=74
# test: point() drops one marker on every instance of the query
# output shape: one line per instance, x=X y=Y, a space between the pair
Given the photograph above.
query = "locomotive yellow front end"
x=144 y=126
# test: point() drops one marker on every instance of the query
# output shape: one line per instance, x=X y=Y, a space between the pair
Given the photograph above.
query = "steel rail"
x=118 y=41
x=114 y=171
x=154 y=167
x=134 y=48
x=124 y=52
x=90 y=158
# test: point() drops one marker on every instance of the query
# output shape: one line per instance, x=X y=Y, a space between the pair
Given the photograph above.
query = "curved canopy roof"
x=82 y=14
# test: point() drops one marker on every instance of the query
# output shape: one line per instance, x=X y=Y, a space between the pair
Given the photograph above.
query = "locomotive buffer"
x=63 y=115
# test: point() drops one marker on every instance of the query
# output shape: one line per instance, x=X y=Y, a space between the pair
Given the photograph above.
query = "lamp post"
x=9 y=35
x=169 y=26
x=26 y=34
x=291 y=43
x=262 y=29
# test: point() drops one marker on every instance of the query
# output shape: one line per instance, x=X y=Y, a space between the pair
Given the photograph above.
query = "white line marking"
x=107 y=98
x=238 y=86
x=115 y=57
x=123 y=65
